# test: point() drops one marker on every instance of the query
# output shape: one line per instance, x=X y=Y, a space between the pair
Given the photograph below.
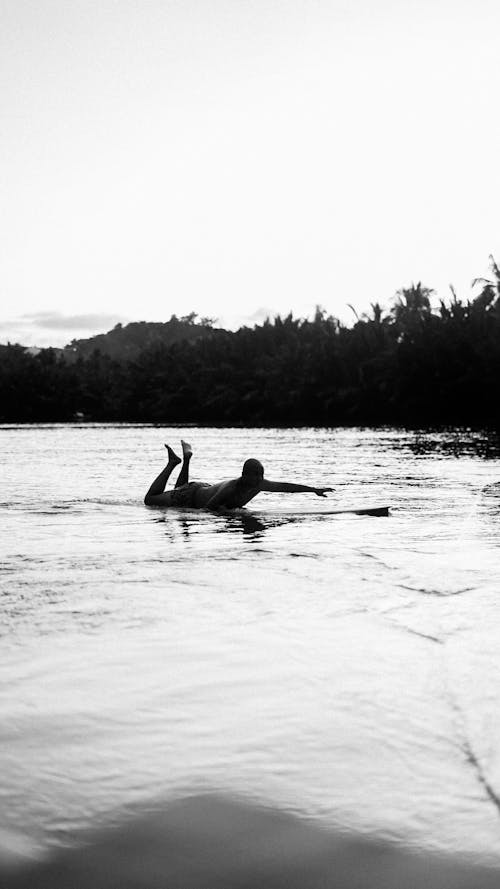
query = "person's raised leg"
x=160 y=481
x=187 y=453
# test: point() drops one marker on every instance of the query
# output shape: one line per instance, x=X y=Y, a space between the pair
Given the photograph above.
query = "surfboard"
x=361 y=510
x=281 y=514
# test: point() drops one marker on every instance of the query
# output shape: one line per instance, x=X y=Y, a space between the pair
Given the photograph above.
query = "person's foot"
x=172 y=456
x=187 y=450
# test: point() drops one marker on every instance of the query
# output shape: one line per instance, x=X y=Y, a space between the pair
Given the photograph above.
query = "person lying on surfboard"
x=224 y=495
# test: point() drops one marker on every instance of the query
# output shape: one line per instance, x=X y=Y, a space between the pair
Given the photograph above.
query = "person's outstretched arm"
x=292 y=488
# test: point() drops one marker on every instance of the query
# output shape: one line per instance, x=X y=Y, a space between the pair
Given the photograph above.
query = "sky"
x=241 y=159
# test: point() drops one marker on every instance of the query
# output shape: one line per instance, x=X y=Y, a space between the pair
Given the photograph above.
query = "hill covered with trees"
x=412 y=365
x=125 y=342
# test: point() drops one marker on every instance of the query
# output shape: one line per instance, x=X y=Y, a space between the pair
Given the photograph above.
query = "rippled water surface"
x=343 y=667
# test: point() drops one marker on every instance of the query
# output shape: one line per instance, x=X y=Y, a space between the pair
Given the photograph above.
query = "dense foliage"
x=412 y=365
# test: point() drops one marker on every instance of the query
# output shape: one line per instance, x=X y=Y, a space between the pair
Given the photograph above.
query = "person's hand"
x=321 y=492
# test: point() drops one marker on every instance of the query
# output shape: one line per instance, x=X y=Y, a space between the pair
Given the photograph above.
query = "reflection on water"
x=345 y=668
x=456 y=443
x=243 y=521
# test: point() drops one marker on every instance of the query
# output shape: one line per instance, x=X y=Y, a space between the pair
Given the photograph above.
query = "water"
x=346 y=668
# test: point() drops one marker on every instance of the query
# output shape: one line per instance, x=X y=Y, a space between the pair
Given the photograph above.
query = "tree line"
x=414 y=365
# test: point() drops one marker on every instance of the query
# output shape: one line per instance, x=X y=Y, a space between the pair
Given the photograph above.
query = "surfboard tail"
x=373 y=510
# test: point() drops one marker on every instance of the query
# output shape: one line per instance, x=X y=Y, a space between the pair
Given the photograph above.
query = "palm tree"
x=412 y=302
x=490 y=287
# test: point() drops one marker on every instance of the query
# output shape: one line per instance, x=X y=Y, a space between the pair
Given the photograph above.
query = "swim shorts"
x=185 y=495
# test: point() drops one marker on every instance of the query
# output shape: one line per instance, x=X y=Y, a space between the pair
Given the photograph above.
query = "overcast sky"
x=240 y=158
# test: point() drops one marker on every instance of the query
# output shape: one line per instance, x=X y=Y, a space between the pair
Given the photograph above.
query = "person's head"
x=252 y=472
